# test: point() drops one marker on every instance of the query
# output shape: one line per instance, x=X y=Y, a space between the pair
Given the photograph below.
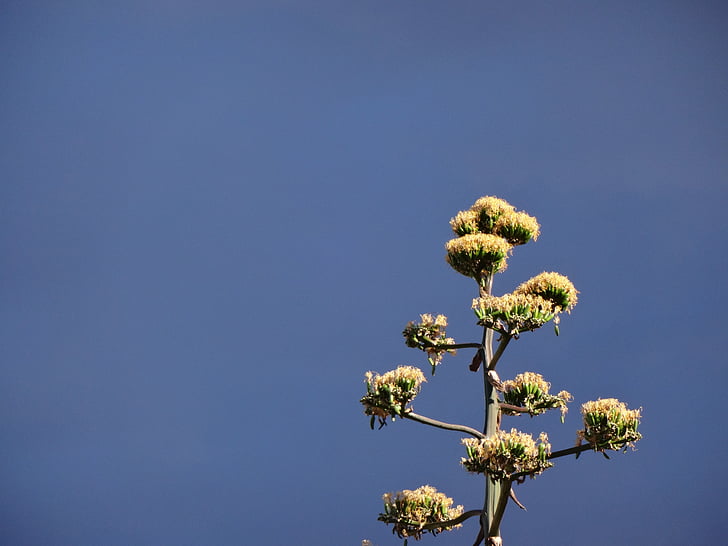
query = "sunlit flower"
x=503 y=454
x=477 y=255
x=517 y=228
x=465 y=222
x=535 y=380
x=488 y=210
x=409 y=511
x=531 y=391
x=513 y=313
x=429 y=335
x=554 y=287
x=608 y=424
x=389 y=394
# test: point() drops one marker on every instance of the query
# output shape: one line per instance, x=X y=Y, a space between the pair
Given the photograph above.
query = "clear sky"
x=216 y=216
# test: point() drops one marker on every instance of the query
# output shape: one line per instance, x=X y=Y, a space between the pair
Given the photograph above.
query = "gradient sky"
x=216 y=216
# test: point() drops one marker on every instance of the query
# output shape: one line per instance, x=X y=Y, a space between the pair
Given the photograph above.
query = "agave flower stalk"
x=485 y=237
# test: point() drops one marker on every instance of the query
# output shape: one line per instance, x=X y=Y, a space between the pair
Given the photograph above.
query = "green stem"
x=505 y=491
x=492 y=487
x=440 y=424
x=491 y=424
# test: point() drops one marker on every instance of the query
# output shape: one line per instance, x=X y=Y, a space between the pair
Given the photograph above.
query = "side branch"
x=429 y=343
x=499 y=351
x=515 y=409
x=570 y=451
x=440 y=424
x=452 y=522
x=576 y=450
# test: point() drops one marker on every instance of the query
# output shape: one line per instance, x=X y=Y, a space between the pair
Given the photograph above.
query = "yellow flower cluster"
x=608 y=424
x=428 y=320
x=429 y=335
x=556 y=288
x=389 y=394
x=486 y=233
x=513 y=313
x=409 y=511
x=477 y=254
x=493 y=215
x=465 y=222
x=517 y=227
x=528 y=378
x=489 y=209
x=531 y=391
x=504 y=454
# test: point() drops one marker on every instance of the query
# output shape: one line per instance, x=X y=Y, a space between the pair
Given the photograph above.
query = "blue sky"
x=216 y=216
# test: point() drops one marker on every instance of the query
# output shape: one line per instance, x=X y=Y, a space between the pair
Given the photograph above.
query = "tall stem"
x=501 y=508
x=492 y=487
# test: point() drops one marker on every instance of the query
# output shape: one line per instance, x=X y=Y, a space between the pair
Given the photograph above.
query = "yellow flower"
x=400 y=376
x=429 y=321
x=517 y=227
x=503 y=454
x=409 y=511
x=429 y=335
x=465 y=221
x=528 y=378
x=554 y=287
x=477 y=255
x=531 y=391
x=389 y=394
x=511 y=314
x=608 y=424
x=488 y=209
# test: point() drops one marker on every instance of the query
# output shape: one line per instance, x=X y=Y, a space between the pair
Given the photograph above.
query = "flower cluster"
x=486 y=233
x=429 y=335
x=409 y=511
x=465 y=223
x=554 y=287
x=389 y=394
x=513 y=313
x=498 y=217
x=488 y=210
x=608 y=424
x=517 y=228
x=504 y=454
x=530 y=391
x=477 y=255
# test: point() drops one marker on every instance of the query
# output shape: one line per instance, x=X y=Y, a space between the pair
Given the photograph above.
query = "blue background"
x=216 y=216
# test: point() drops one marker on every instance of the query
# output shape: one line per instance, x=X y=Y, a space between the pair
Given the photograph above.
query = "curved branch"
x=458 y=346
x=499 y=351
x=440 y=424
x=570 y=451
x=452 y=522
x=517 y=409
x=428 y=343
x=556 y=454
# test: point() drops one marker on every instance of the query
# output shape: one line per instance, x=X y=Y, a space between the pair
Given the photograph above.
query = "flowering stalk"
x=485 y=237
